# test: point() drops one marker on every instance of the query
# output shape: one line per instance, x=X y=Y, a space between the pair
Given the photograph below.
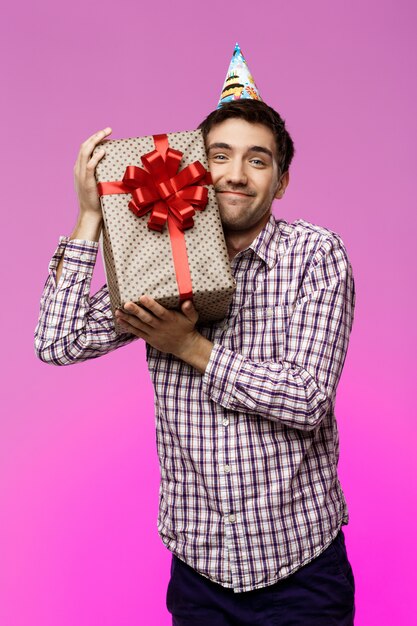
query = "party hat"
x=239 y=81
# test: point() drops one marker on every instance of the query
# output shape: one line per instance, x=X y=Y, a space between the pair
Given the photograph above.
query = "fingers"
x=154 y=314
x=136 y=317
x=87 y=148
x=158 y=310
x=133 y=330
x=84 y=170
x=139 y=312
x=89 y=144
x=91 y=165
x=132 y=324
x=189 y=311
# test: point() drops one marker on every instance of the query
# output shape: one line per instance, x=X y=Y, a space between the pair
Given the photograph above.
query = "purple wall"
x=79 y=473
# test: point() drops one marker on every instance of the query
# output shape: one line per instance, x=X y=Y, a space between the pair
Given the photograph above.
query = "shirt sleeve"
x=299 y=389
x=73 y=326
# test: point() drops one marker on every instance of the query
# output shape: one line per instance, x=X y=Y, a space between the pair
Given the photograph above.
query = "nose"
x=236 y=174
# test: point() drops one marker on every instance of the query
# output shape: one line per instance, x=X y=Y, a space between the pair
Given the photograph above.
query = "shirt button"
x=83 y=257
x=232 y=518
x=227 y=469
x=269 y=312
x=225 y=422
x=224 y=326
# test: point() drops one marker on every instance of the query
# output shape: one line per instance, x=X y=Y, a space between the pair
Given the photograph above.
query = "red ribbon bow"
x=170 y=197
x=160 y=189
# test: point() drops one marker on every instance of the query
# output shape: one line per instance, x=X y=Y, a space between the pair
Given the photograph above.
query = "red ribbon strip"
x=169 y=196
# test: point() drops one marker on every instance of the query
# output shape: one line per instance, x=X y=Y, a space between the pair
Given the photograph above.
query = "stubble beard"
x=243 y=219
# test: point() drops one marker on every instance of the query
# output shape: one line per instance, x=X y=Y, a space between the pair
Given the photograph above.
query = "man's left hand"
x=168 y=331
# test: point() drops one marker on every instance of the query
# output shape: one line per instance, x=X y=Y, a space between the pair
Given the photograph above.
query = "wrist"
x=195 y=350
x=88 y=226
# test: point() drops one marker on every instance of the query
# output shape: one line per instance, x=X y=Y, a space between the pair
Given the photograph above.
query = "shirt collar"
x=266 y=242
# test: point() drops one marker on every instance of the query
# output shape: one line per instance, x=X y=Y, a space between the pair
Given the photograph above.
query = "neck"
x=238 y=240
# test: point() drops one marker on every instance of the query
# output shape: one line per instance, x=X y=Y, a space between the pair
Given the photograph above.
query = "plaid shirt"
x=248 y=451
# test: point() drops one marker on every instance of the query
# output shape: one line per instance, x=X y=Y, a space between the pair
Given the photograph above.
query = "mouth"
x=235 y=193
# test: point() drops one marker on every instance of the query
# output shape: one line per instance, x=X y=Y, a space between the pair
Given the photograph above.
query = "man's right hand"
x=84 y=181
x=90 y=218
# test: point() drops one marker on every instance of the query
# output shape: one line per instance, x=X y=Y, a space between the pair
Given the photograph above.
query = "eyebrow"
x=225 y=146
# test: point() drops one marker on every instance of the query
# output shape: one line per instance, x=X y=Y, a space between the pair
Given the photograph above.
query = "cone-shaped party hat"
x=239 y=81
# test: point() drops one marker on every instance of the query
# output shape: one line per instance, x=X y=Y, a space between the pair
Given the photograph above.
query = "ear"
x=283 y=184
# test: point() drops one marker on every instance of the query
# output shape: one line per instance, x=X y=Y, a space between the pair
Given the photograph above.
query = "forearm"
x=73 y=326
x=277 y=391
x=196 y=352
x=297 y=388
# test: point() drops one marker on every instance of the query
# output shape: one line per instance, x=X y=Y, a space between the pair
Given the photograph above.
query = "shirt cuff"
x=222 y=372
x=79 y=255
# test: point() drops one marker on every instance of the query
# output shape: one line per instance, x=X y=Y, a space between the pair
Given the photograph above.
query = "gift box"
x=162 y=234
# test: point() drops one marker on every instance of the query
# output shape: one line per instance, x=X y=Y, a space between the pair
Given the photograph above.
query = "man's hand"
x=89 y=222
x=168 y=331
x=84 y=180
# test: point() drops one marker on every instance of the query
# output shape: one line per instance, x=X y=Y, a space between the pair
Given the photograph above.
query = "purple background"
x=78 y=467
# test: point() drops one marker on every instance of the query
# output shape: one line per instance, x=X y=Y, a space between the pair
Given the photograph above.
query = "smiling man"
x=246 y=175
x=250 y=503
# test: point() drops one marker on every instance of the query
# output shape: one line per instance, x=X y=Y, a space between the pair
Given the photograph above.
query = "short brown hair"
x=255 y=112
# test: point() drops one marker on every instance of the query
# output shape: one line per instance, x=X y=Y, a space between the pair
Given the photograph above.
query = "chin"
x=229 y=219
x=236 y=224
x=241 y=220
x=232 y=216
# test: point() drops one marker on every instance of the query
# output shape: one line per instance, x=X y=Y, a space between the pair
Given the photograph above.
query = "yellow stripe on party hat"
x=239 y=81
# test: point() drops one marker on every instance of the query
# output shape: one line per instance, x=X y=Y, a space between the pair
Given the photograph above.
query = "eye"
x=257 y=162
x=219 y=157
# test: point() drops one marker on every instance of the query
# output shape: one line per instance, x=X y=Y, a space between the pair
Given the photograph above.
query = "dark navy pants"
x=319 y=594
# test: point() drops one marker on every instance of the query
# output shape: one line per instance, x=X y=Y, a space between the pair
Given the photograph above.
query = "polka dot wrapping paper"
x=139 y=260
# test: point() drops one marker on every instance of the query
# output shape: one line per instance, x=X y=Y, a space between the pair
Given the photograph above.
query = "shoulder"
x=313 y=239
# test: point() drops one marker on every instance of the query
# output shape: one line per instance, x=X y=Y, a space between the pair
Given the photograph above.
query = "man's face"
x=244 y=169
